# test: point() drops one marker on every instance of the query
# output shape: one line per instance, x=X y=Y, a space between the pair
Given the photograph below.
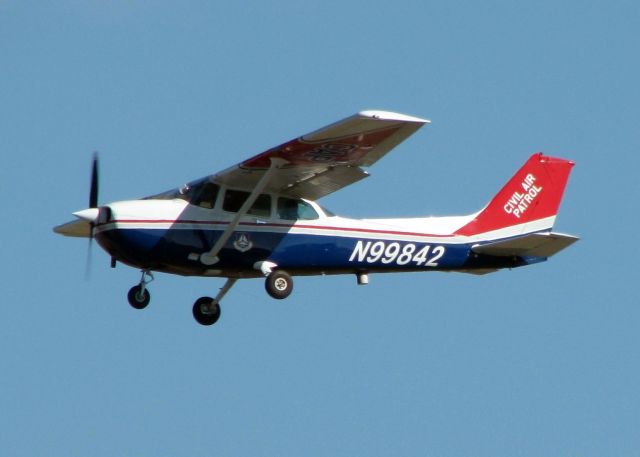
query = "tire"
x=208 y=318
x=279 y=284
x=138 y=300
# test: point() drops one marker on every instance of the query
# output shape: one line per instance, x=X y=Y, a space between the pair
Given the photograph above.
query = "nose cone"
x=89 y=214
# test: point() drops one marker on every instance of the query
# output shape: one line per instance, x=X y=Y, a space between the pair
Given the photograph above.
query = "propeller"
x=93 y=193
x=93 y=206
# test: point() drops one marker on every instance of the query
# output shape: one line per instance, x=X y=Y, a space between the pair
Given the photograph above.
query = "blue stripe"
x=169 y=250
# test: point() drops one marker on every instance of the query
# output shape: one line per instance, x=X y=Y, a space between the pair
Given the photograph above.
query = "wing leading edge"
x=326 y=160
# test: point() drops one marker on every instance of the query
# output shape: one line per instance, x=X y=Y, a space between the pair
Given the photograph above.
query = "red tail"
x=533 y=194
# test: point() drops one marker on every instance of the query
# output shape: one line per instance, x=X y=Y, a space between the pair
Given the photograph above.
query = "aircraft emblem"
x=242 y=243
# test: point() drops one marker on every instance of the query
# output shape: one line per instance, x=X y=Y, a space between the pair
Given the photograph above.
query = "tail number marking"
x=394 y=252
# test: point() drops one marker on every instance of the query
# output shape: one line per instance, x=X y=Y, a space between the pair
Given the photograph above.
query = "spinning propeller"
x=93 y=192
x=91 y=213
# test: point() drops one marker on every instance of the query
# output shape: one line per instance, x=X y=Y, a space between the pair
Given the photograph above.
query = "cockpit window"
x=205 y=195
x=290 y=209
x=234 y=199
x=201 y=193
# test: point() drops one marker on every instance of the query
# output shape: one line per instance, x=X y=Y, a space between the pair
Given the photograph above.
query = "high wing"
x=321 y=162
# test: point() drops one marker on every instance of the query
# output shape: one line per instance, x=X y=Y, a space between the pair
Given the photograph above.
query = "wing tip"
x=391 y=116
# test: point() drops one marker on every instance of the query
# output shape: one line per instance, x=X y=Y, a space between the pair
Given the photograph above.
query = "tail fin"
x=528 y=202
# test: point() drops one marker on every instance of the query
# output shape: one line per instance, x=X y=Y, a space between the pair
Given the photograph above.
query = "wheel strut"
x=206 y=310
x=139 y=296
x=224 y=289
x=146 y=278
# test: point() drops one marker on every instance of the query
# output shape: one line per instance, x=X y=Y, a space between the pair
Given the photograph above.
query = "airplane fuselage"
x=170 y=236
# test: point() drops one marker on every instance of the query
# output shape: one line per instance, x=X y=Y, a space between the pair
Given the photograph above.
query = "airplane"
x=260 y=218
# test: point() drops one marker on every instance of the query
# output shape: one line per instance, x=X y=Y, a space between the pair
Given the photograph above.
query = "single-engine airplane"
x=260 y=219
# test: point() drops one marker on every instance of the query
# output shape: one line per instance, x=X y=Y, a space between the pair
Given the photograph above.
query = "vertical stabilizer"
x=528 y=202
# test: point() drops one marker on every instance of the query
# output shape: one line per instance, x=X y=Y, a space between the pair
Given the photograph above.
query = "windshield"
x=202 y=193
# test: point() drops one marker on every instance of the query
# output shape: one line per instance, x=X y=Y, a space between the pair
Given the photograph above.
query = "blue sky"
x=535 y=361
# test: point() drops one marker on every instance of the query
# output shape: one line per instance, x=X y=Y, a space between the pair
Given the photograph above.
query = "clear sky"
x=537 y=361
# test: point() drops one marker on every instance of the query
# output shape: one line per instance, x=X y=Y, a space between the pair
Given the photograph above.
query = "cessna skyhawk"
x=260 y=219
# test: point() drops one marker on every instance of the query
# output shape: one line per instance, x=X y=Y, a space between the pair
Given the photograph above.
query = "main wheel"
x=206 y=311
x=279 y=284
x=137 y=298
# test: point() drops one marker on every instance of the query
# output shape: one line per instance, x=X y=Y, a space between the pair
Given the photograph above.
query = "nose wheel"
x=139 y=296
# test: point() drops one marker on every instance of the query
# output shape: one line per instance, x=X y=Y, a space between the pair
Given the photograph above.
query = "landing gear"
x=139 y=296
x=279 y=284
x=206 y=311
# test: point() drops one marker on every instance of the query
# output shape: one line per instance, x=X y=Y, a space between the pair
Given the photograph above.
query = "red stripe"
x=253 y=224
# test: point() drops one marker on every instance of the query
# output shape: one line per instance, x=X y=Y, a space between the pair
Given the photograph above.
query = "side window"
x=306 y=211
x=234 y=199
x=262 y=206
x=205 y=196
x=291 y=209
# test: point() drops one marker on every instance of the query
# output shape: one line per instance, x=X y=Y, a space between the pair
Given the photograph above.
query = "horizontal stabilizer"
x=533 y=244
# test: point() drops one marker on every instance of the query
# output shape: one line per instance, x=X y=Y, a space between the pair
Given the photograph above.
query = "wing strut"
x=211 y=257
